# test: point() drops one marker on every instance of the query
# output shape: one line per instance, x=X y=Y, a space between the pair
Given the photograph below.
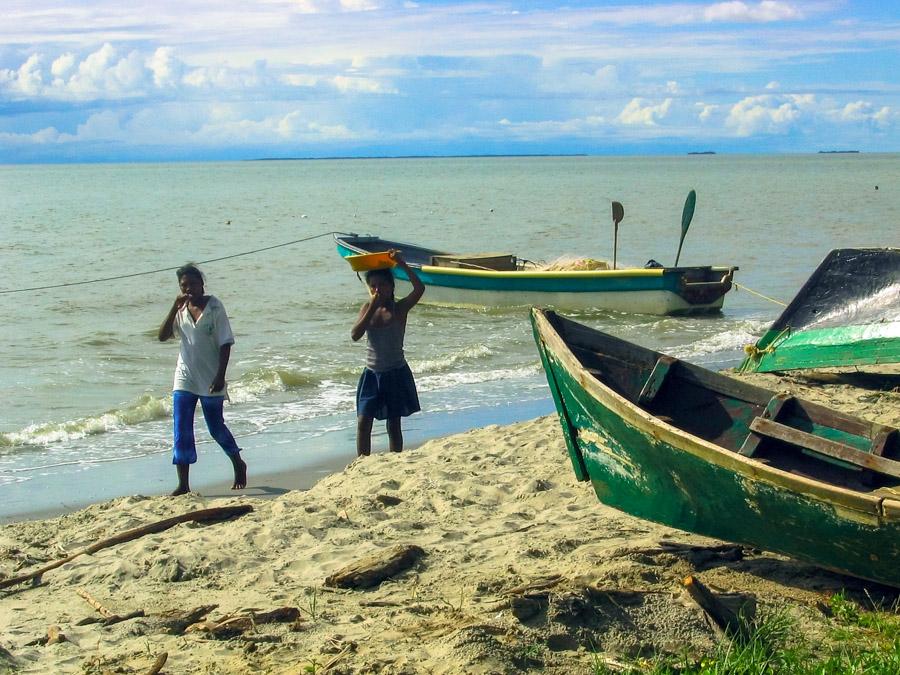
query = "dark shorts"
x=387 y=395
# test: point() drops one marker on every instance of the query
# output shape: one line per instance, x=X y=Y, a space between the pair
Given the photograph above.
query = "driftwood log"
x=176 y=621
x=107 y=616
x=158 y=664
x=372 y=570
x=203 y=515
x=536 y=585
x=725 y=618
x=93 y=602
x=54 y=635
x=230 y=626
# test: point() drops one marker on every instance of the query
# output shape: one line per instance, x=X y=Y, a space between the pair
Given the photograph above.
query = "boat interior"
x=777 y=429
x=420 y=256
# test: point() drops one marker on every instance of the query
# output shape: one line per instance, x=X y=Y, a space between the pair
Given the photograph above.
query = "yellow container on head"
x=370 y=261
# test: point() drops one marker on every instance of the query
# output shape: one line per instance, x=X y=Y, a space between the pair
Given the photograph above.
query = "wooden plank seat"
x=826 y=447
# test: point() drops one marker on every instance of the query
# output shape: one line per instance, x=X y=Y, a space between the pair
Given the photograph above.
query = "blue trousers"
x=184 y=403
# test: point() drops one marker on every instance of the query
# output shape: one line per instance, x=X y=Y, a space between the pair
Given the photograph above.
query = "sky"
x=171 y=80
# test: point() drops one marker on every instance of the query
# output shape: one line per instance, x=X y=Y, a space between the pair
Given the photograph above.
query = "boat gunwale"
x=680 y=440
x=539 y=274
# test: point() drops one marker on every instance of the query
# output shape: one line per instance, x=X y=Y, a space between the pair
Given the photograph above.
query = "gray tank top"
x=385 y=346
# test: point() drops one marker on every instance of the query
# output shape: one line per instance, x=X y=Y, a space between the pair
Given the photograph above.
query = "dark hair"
x=190 y=270
x=383 y=273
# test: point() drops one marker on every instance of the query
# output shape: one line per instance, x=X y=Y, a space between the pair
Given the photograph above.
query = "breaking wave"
x=144 y=409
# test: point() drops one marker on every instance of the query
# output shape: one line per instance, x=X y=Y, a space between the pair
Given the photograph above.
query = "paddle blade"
x=618 y=212
x=686 y=215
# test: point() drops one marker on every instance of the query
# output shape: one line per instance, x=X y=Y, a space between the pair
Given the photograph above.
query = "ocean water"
x=85 y=386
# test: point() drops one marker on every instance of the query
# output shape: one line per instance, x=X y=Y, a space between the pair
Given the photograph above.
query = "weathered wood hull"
x=649 y=468
x=660 y=291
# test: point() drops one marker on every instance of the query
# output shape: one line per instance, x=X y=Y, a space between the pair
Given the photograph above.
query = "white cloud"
x=773 y=85
x=226 y=79
x=62 y=66
x=769 y=114
x=333 y=6
x=560 y=78
x=359 y=5
x=637 y=114
x=300 y=80
x=28 y=80
x=228 y=125
x=166 y=69
x=762 y=12
x=582 y=126
x=102 y=126
x=361 y=84
x=707 y=110
x=864 y=111
x=323 y=132
x=101 y=74
x=42 y=137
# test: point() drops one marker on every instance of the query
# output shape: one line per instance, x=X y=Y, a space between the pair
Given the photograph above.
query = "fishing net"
x=574 y=264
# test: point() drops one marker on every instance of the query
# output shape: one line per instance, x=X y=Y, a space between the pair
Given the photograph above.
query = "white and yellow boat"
x=494 y=279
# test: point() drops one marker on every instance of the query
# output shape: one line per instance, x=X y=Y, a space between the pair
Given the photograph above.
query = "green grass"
x=860 y=640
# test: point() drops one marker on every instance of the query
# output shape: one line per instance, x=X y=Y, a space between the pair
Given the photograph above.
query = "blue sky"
x=106 y=80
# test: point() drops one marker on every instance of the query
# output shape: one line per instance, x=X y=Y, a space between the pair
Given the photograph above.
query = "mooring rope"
x=754 y=353
x=166 y=269
x=764 y=297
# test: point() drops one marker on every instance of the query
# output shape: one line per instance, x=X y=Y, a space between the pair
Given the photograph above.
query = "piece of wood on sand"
x=235 y=624
x=730 y=622
x=203 y=515
x=176 y=621
x=158 y=664
x=373 y=569
x=93 y=602
x=54 y=635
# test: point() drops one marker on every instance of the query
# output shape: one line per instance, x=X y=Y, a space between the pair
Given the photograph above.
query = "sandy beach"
x=517 y=567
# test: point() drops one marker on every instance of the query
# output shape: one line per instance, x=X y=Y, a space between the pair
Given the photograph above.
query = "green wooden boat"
x=674 y=443
x=846 y=314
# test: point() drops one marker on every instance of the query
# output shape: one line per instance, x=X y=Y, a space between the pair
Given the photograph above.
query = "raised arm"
x=418 y=290
x=166 y=330
x=366 y=312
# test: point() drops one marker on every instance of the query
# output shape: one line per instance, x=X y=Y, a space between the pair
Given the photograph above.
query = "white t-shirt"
x=198 y=359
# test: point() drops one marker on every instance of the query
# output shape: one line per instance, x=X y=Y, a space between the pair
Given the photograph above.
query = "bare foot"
x=240 y=474
x=184 y=472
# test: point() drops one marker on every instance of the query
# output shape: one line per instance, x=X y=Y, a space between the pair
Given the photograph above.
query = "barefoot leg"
x=215 y=422
x=363 y=436
x=183 y=486
x=395 y=434
x=240 y=472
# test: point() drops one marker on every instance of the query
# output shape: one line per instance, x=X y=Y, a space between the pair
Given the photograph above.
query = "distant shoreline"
x=838 y=152
x=305 y=159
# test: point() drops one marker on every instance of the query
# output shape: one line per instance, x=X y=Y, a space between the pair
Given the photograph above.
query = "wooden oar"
x=618 y=212
x=686 y=216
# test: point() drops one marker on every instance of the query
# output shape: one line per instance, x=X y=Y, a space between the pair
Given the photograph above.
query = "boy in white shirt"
x=202 y=325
